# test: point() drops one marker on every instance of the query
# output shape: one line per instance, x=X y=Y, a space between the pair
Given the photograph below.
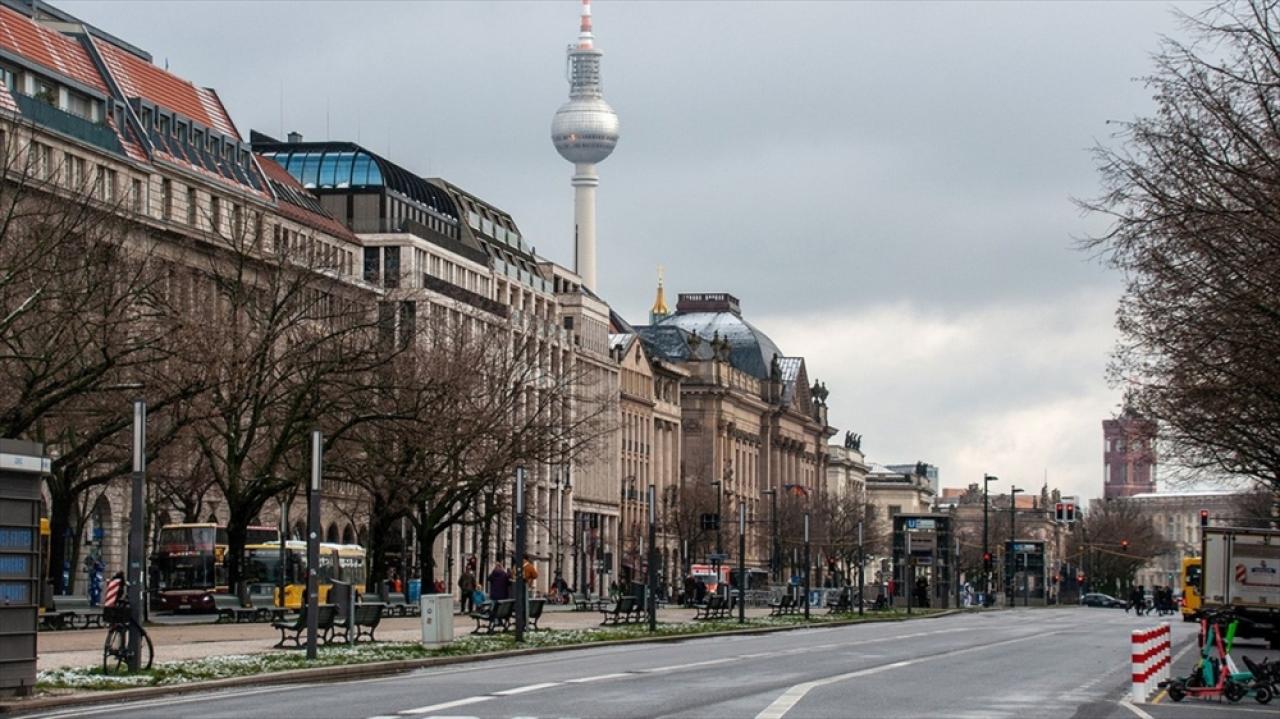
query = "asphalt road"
x=1062 y=662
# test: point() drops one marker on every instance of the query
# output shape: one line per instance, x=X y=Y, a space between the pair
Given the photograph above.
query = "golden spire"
x=659 y=311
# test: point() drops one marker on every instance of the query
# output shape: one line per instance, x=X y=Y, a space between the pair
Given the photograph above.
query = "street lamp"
x=719 y=495
x=1013 y=522
x=313 y=544
x=742 y=561
x=653 y=559
x=806 y=565
x=775 y=553
x=986 y=549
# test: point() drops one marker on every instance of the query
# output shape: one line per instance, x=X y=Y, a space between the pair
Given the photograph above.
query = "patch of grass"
x=239 y=665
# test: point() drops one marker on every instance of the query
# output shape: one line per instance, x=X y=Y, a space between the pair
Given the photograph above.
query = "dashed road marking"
x=446 y=705
x=525 y=689
x=597 y=678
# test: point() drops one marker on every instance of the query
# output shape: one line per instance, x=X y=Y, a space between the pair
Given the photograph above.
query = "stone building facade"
x=1128 y=455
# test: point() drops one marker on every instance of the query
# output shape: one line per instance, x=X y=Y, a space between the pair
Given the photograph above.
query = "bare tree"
x=1191 y=193
x=1113 y=542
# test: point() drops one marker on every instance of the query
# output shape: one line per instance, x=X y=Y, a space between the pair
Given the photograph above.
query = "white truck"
x=1241 y=570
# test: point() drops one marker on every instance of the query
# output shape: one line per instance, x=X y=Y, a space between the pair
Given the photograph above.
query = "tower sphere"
x=585 y=129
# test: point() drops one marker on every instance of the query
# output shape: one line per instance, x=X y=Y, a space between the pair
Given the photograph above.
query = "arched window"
x=349 y=535
x=332 y=535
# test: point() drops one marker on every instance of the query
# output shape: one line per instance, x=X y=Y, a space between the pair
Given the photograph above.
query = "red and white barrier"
x=1152 y=654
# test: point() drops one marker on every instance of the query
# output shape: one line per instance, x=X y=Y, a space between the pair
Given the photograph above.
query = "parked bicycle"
x=115 y=651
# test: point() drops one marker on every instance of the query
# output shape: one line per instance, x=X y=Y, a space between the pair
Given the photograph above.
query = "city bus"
x=1190 y=588
x=190 y=563
x=45 y=589
x=343 y=562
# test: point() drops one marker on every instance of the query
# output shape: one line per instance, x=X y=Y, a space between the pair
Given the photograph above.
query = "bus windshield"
x=1192 y=577
x=188 y=569
x=191 y=538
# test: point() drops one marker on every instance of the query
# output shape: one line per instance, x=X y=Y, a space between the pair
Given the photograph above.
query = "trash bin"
x=437 y=619
x=415 y=591
x=341 y=596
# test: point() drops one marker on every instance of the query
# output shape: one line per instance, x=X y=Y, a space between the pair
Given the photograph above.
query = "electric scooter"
x=1212 y=676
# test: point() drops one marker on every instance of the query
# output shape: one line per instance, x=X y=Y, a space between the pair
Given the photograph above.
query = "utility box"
x=437 y=619
x=22 y=467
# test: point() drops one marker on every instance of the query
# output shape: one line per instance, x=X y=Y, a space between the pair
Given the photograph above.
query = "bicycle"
x=115 y=650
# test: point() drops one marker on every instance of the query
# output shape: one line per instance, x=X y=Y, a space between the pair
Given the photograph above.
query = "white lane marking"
x=1141 y=714
x=525 y=689
x=446 y=705
x=117 y=706
x=597 y=678
x=674 y=667
x=792 y=696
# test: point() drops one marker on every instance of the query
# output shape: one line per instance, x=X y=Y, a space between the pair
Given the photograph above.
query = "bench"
x=584 y=603
x=716 y=607
x=325 y=615
x=494 y=616
x=785 y=605
x=230 y=609
x=398 y=606
x=621 y=612
x=843 y=604
x=265 y=609
x=70 y=609
x=639 y=610
x=364 y=620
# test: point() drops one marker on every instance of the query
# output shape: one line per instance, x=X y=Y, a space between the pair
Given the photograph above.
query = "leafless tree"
x=1113 y=542
x=1191 y=194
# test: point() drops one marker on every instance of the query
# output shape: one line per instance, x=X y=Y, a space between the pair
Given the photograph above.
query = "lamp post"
x=313 y=544
x=775 y=565
x=742 y=562
x=136 y=511
x=719 y=495
x=1013 y=521
x=653 y=559
x=986 y=548
x=861 y=562
x=806 y=565
x=521 y=589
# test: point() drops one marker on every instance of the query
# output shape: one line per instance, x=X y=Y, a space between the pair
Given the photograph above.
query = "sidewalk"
x=174 y=642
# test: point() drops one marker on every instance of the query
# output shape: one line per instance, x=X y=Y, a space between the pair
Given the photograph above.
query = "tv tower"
x=585 y=131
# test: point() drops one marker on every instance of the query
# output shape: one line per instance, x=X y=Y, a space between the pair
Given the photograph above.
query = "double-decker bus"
x=190 y=563
x=343 y=562
x=1191 y=568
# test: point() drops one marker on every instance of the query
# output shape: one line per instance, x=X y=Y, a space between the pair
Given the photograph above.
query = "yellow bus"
x=343 y=562
x=1190 y=588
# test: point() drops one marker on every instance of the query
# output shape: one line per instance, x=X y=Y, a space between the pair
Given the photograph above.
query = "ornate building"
x=750 y=419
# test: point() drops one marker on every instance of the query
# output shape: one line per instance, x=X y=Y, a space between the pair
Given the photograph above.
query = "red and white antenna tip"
x=585 y=37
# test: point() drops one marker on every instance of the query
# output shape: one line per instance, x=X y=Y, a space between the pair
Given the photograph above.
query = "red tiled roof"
x=303 y=215
x=139 y=78
x=49 y=48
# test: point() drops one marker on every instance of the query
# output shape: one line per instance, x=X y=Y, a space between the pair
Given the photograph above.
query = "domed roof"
x=750 y=349
x=585 y=129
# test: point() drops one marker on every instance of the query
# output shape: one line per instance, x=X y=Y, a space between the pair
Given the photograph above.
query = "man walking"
x=467 y=586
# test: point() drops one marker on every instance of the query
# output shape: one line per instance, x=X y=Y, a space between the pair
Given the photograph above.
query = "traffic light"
x=1060 y=512
x=1124 y=544
x=1204 y=518
x=1071 y=512
x=986 y=560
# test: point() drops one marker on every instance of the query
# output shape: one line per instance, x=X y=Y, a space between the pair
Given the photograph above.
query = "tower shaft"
x=585 y=181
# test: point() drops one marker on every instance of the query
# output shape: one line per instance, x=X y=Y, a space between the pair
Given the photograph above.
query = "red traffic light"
x=1124 y=544
x=1204 y=518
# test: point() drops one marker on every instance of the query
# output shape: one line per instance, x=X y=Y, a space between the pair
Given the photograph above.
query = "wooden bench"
x=584 y=603
x=621 y=612
x=73 y=609
x=325 y=615
x=494 y=616
x=716 y=607
x=785 y=605
x=639 y=610
x=364 y=620
x=843 y=603
x=230 y=609
x=398 y=606
x=265 y=609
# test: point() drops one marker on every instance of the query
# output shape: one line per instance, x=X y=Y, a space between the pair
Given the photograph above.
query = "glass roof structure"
x=346 y=165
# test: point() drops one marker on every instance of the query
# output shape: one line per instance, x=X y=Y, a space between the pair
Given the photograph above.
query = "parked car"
x=1097 y=599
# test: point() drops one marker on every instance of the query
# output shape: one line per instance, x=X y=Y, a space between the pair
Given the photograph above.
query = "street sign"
x=717 y=558
x=921 y=523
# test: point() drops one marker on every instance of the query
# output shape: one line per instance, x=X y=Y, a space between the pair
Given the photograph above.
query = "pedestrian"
x=499 y=583
x=467 y=587
x=530 y=571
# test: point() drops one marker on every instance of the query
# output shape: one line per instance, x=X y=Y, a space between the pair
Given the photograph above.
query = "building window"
x=215 y=213
x=371 y=264
x=166 y=199
x=75 y=171
x=237 y=221
x=192 y=203
x=1106 y=473
x=135 y=195
x=391 y=266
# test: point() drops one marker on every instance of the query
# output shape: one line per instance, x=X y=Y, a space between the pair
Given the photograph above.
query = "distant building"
x=846 y=470
x=928 y=471
x=895 y=492
x=1176 y=516
x=1128 y=455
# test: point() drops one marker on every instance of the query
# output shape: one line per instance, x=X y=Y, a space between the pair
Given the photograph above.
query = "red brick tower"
x=1128 y=455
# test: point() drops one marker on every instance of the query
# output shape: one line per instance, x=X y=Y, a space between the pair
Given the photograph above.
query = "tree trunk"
x=381 y=528
x=237 y=534
x=64 y=539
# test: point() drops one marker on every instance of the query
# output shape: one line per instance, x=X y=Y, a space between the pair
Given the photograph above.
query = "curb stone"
x=389 y=668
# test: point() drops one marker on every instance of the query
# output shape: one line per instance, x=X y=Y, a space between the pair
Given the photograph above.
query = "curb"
x=400 y=666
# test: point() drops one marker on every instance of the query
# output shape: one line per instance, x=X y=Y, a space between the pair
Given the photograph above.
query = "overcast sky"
x=886 y=187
